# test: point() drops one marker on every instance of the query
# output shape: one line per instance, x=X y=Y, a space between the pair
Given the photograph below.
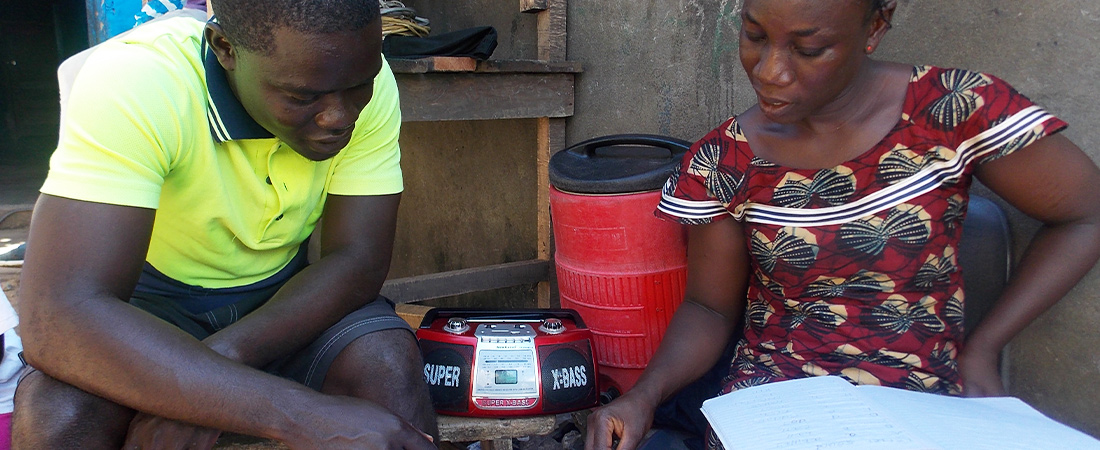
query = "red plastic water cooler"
x=618 y=265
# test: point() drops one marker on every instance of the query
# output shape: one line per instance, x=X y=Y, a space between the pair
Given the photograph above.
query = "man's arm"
x=82 y=261
x=356 y=245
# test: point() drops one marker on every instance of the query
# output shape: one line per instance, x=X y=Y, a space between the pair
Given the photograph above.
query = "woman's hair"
x=876 y=7
x=250 y=23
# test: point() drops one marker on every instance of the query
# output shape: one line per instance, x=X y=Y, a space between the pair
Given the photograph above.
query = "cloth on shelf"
x=398 y=19
x=476 y=42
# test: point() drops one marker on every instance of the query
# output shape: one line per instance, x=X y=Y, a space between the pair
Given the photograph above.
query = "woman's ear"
x=219 y=43
x=880 y=24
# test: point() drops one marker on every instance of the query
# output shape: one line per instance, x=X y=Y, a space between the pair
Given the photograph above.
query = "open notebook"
x=830 y=413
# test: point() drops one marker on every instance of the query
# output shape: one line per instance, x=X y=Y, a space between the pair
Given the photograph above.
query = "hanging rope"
x=401 y=20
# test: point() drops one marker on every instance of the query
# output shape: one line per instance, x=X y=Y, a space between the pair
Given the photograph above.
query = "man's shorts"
x=202 y=311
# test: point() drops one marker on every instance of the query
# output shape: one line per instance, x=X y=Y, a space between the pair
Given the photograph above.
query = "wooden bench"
x=494 y=434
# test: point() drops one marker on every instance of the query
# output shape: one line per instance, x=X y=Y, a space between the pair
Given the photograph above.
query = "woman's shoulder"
x=948 y=98
x=953 y=79
x=728 y=135
x=727 y=146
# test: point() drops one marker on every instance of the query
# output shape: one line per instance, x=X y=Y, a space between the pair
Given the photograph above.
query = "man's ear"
x=219 y=43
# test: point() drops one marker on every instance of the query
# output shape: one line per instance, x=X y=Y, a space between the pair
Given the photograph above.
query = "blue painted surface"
x=107 y=18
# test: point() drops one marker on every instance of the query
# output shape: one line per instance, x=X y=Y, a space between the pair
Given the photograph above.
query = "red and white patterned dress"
x=854 y=267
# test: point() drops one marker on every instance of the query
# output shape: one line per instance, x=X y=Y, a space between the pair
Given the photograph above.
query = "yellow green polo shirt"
x=149 y=121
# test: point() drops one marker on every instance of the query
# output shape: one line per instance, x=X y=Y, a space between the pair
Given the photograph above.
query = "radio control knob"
x=456 y=325
x=552 y=326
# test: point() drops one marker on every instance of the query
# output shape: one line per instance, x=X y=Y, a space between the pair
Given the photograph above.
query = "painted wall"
x=107 y=18
x=670 y=67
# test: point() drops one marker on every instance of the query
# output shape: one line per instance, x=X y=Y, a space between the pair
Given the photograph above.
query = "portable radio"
x=496 y=363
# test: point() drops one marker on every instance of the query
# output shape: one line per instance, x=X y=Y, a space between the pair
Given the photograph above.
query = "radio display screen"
x=507 y=377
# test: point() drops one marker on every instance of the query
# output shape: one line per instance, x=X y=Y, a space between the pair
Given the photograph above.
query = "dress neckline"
x=903 y=119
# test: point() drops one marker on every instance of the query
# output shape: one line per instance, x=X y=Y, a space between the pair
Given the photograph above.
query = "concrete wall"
x=670 y=67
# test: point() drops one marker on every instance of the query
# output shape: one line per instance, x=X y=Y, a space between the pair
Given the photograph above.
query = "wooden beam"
x=482 y=96
x=551 y=31
x=464 y=429
x=532 y=6
x=457 y=282
x=551 y=139
x=427 y=65
x=413 y=314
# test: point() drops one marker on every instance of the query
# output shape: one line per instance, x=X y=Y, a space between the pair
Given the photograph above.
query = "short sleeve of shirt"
x=371 y=164
x=703 y=184
x=121 y=129
x=981 y=113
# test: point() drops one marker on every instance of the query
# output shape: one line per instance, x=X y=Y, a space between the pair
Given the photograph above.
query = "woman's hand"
x=627 y=418
x=980 y=375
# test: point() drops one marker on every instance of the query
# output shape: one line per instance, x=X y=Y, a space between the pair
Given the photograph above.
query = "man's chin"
x=316 y=151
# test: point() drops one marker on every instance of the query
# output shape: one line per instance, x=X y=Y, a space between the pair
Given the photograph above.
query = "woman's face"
x=802 y=55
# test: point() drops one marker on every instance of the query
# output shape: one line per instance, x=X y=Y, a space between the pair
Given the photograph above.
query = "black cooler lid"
x=617 y=164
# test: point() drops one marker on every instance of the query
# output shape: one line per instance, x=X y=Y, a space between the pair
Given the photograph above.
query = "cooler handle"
x=675 y=147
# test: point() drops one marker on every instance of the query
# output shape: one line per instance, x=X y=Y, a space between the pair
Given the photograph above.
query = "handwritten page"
x=977 y=423
x=811 y=413
x=829 y=412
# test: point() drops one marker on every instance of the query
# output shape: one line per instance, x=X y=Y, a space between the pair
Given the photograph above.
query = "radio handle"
x=519 y=315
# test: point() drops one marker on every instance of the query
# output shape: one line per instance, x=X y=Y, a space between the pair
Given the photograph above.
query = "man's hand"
x=151 y=432
x=980 y=375
x=351 y=423
x=626 y=418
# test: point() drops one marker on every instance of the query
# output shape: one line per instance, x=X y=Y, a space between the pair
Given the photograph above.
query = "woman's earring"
x=870 y=49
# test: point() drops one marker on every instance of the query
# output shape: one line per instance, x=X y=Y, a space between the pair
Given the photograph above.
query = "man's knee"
x=387 y=359
x=52 y=414
x=385 y=367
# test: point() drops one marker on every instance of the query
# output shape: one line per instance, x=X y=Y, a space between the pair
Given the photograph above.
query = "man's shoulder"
x=381 y=118
x=168 y=44
x=184 y=27
x=156 y=61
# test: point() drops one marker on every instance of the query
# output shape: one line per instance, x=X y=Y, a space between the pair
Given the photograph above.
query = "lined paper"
x=830 y=413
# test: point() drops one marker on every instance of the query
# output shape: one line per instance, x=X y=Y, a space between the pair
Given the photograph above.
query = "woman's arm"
x=1053 y=181
x=718 y=269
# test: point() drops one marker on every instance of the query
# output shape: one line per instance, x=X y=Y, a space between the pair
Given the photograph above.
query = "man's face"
x=309 y=90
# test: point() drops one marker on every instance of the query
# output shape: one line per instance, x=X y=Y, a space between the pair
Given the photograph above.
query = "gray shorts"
x=203 y=311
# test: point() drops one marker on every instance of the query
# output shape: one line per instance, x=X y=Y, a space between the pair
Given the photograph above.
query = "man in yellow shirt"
x=166 y=290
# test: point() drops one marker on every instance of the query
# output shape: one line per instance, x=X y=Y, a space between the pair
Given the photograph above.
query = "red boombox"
x=492 y=363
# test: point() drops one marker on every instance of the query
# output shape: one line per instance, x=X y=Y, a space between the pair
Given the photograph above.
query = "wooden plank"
x=532 y=6
x=456 y=282
x=453 y=64
x=551 y=133
x=529 y=66
x=413 y=314
x=427 y=65
x=433 y=64
x=551 y=31
x=542 y=171
x=542 y=249
x=469 y=96
x=465 y=429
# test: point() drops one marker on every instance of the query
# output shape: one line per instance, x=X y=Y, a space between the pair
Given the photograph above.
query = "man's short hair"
x=249 y=23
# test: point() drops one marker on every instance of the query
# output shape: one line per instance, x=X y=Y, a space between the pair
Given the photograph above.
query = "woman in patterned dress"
x=826 y=218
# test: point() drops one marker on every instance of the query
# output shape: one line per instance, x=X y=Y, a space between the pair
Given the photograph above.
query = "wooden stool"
x=494 y=434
